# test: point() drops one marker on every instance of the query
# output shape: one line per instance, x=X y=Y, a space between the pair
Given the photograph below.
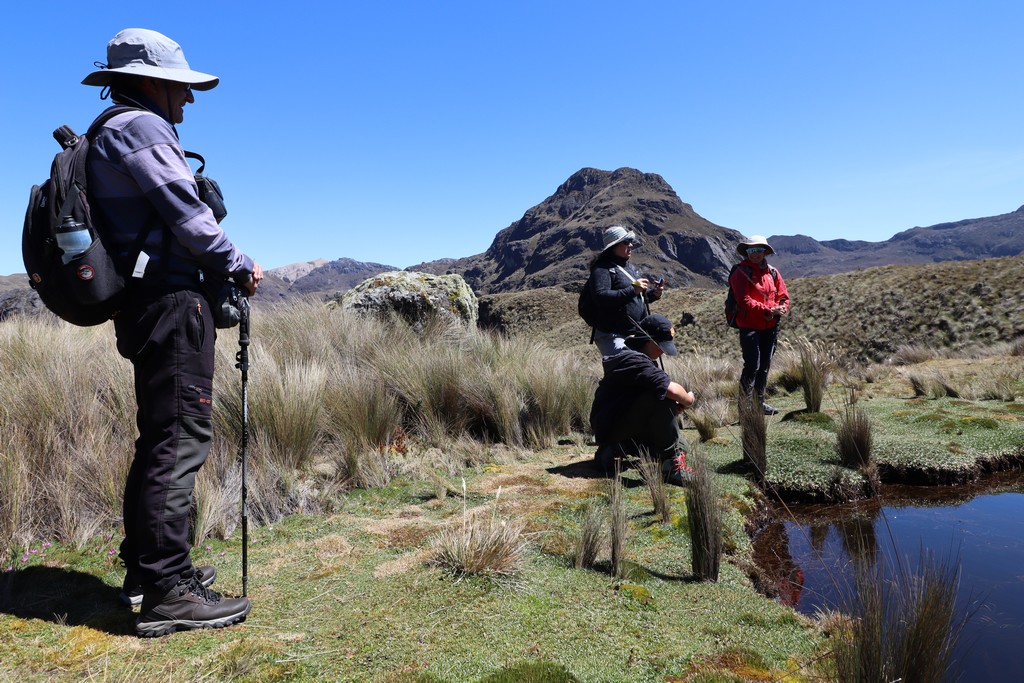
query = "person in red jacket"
x=762 y=300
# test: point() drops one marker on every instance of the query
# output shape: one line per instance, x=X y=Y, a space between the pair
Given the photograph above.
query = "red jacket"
x=757 y=294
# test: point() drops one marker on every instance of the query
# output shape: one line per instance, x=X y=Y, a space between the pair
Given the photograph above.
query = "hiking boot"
x=676 y=471
x=188 y=605
x=131 y=592
x=769 y=410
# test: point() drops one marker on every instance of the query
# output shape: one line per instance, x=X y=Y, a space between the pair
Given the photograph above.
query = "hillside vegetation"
x=868 y=315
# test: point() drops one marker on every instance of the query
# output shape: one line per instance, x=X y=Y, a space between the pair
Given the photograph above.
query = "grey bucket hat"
x=616 y=234
x=141 y=52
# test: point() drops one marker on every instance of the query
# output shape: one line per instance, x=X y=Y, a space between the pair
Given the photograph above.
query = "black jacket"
x=619 y=307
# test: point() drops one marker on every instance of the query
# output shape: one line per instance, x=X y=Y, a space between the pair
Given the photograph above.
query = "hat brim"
x=669 y=348
x=742 y=247
x=196 y=79
x=628 y=237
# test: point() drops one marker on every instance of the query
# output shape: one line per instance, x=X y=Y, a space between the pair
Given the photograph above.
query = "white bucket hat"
x=754 y=241
x=141 y=52
x=616 y=234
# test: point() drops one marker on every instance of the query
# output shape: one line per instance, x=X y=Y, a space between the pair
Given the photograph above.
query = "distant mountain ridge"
x=964 y=240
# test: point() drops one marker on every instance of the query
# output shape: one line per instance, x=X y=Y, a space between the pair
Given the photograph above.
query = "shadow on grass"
x=804 y=416
x=66 y=597
x=739 y=466
x=586 y=469
x=638 y=573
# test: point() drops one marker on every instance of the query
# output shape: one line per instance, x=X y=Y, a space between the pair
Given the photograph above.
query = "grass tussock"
x=704 y=516
x=853 y=436
x=708 y=374
x=482 y=545
x=651 y=473
x=619 y=527
x=753 y=435
x=1017 y=347
x=708 y=415
x=593 y=535
x=912 y=354
x=902 y=628
x=817 y=363
x=1003 y=384
x=932 y=383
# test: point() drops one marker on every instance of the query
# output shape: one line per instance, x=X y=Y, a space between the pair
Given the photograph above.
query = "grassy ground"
x=354 y=597
x=917 y=439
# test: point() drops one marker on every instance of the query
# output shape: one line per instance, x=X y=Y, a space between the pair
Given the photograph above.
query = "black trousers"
x=651 y=424
x=169 y=338
x=758 y=347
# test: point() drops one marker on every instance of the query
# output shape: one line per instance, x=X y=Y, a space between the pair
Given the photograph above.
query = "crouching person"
x=637 y=405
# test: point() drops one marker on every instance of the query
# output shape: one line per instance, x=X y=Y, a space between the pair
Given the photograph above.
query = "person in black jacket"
x=619 y=294
x=637 y=405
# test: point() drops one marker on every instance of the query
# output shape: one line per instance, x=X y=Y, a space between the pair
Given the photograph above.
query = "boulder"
x=416 y=298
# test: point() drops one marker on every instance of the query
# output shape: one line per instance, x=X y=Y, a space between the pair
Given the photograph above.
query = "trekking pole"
x=647 y=311
x=242 y=358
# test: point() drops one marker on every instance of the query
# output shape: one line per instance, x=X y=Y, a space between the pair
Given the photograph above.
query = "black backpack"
x=731 y=305
x=89 y=288
x=585 y=307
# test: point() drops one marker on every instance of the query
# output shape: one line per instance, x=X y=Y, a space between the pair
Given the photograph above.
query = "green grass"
x=352 y=597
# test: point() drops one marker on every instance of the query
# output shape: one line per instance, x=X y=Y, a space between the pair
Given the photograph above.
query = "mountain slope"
x=552 y=244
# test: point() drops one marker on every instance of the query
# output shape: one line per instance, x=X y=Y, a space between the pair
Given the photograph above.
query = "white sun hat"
x=754 y=241
x=141 y=52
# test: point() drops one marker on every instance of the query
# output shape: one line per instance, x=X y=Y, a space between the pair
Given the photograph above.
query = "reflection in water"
x=809 y=562
x=858 y=537
x=784 y=577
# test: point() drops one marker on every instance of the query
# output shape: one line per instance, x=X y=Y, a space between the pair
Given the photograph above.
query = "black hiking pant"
x=758 y=347
x=169 y=339
x=649 y=424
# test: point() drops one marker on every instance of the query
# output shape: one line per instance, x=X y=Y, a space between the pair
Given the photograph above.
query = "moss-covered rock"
x=416 y=298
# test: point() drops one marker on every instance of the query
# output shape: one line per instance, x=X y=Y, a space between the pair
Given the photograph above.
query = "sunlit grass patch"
x=254 y=659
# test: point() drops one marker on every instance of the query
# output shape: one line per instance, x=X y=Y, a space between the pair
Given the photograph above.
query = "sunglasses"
x=756 y=250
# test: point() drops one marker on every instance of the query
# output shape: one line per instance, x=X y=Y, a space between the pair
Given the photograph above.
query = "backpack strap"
x=106 y=115
x=626 y=273
x=67 y=138
x=80 y=172
x=198 y=157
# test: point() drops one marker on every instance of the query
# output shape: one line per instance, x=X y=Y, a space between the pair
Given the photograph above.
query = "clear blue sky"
x=400 y=132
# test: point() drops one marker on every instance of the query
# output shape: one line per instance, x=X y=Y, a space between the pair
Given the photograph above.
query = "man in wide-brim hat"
x=144 y=194
x=637 y=405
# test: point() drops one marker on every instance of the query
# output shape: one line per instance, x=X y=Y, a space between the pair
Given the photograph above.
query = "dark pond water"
x=813 y=554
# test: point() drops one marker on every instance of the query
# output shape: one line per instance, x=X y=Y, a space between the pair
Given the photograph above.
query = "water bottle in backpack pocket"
x=72 y=238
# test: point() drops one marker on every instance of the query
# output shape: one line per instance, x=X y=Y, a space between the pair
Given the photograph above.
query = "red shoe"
x=679 y=463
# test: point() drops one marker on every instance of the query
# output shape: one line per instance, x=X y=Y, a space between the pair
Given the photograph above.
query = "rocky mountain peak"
x=553 y=242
